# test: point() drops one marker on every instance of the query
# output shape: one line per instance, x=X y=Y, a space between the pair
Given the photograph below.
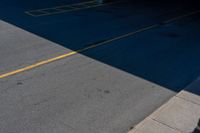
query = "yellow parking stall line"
x=37 y=64
x=60 y=6
x=65 y=11
x=182 y=16
x=71 y=53
x=106 y=42
x=30 y=14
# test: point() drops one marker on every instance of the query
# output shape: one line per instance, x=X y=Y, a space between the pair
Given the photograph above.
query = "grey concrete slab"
x=151 y=126
x=19 y=48
x=179 y=114
x=189 y=96
x=85 y=95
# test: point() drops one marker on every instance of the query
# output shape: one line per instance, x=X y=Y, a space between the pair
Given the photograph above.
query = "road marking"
x=182 y=16
x=63 y=5
x=72 y=53
x=70 y=8
x=37 y=64
x=41 y=63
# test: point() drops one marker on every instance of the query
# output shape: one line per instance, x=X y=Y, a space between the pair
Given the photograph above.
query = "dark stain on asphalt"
x=106 y=91
x=131 y=128
x=19 y=83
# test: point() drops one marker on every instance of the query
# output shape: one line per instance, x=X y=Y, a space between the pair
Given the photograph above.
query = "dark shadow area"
x=167 y=55
x=197 y=130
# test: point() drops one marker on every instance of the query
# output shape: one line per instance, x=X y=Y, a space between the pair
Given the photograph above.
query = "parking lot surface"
x=130 y=58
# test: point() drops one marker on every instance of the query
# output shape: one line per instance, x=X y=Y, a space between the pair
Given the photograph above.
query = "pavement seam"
x=153 y=116
x=160 y=109
x=190 y=101
x=160 y=122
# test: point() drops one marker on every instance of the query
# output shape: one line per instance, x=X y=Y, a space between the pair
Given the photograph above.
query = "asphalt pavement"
x=104 y=89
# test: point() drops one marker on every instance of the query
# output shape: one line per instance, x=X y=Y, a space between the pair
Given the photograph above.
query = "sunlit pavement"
x=105 y=89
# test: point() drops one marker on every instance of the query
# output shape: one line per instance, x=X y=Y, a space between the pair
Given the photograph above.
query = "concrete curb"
x=179 y=115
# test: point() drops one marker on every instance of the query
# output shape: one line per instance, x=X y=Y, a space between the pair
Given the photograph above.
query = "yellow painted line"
x=30 y=14
x=90 y=47
x=65 y=11
x=40 y=10
x=71 y=53
x=37 y=64
x=61 y=6
x=182 y=16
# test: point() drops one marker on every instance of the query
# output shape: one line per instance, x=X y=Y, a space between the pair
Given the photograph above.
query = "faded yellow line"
x=182 y=16
x=71 y=53
x=61 y=6
x=66 y=11
x=91 y=47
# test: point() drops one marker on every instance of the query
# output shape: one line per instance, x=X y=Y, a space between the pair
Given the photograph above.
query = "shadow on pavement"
x=167 y=55
x=197 y=130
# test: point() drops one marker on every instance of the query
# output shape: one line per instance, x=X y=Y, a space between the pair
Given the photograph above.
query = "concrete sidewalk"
x=179 y=115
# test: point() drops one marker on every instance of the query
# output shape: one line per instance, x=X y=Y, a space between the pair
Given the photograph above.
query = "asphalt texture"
x=106 y=89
